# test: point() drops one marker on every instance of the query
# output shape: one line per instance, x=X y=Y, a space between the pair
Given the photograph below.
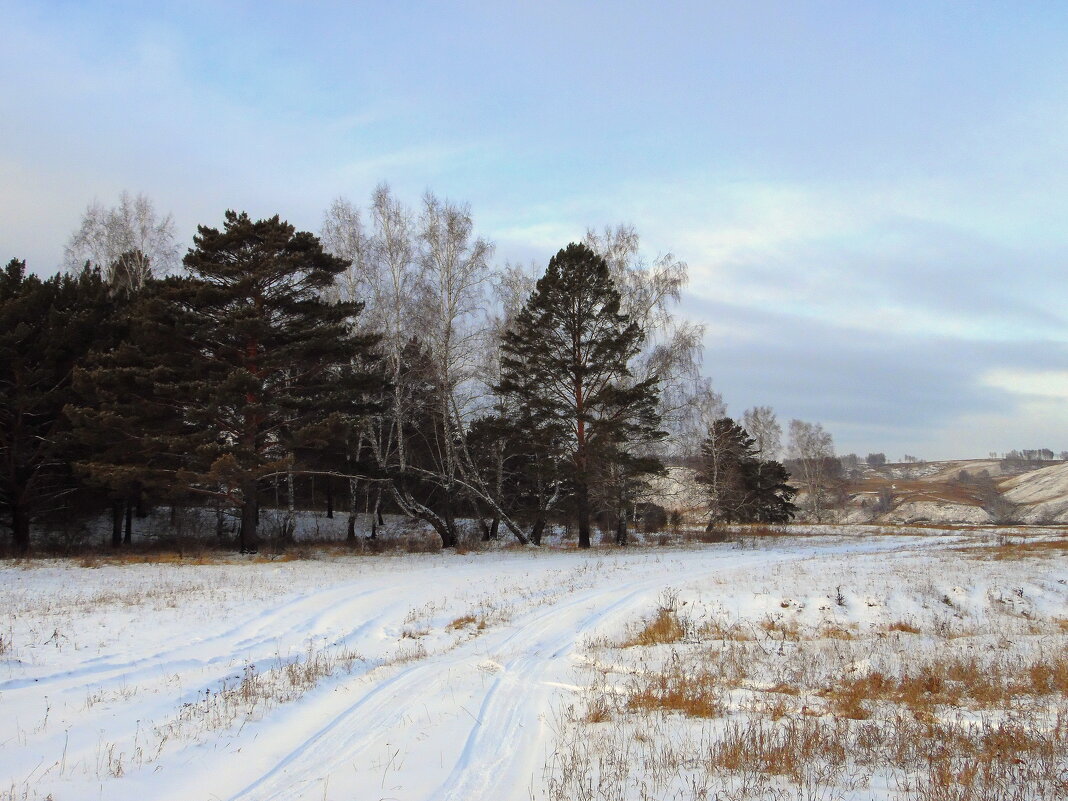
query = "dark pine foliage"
x=233 y=369
x=46 y=327
x=742 y=488
x=564 y=367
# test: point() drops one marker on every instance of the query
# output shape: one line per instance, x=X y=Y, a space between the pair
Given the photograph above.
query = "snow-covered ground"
x=417 y=676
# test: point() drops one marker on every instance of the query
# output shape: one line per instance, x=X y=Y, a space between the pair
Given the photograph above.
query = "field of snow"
x=445 y=676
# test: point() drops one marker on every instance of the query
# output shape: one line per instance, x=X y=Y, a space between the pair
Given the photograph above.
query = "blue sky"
x=871 y=196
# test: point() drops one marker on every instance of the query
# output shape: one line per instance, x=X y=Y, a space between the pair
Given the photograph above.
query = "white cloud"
x=1040 y=385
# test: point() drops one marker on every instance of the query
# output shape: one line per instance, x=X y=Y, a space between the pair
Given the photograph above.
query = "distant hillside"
x=972 y=491
x=966 y=491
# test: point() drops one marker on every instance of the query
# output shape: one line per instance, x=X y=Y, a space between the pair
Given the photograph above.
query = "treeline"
x=386 y=359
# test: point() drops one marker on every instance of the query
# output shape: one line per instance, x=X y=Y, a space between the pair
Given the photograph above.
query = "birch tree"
x=129 y=242
x=811 y=449
x=763 y=426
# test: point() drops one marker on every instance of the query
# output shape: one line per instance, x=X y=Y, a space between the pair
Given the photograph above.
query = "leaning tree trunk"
x=376 y=513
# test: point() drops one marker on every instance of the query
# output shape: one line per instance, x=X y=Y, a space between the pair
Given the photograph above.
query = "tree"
x=812 y=451
x=850 y=465
x=565 y=360
x=763 y=426
x=741 y=487
x=253 y=362
x=876 y=459
x=46 y=327
x=128 y=242
x=390 y=278
x=672 y=347
x=425 y=277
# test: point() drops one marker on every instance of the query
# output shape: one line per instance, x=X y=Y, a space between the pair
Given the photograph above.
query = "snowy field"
x=544 y=674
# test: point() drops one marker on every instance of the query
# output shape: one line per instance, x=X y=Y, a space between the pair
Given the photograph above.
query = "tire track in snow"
x=506 y=727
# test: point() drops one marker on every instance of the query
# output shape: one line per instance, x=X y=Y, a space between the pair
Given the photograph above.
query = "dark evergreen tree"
x=46 y=327
x=97 y=412
x=565 y=363
x=770 y=496
x=741 y=487
x=250 y=360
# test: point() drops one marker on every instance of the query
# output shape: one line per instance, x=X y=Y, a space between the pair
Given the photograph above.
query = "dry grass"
x=952 y=683
x=773 y=708
x=466 y=621
x=184 y=558
x=663 y=629
x=252 y=693
x=725 y=631
x=834 y=632
x=1027 y=549
x=778 y=628
x=694 y=693
x=903 y=627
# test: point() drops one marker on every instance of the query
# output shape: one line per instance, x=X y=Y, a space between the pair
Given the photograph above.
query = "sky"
x=871 y=197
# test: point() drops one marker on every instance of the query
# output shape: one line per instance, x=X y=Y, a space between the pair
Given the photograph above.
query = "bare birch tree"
x=425 y=280
x=762 y=425
x=811 y=448
x=129 y=242
x=343 y=235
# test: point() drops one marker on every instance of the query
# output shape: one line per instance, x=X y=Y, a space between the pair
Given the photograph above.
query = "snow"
x=937 y=512
x=1038 y=486
x=439 y=673
x=1042 y=495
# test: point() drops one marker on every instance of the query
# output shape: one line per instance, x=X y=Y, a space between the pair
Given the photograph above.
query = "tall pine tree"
x=564 y=363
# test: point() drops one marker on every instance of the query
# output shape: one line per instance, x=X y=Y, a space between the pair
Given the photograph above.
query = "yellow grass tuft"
x=663 y=629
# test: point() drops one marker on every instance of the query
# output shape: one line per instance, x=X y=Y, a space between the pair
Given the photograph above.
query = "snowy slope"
x=1043 y=494
x=175 y=681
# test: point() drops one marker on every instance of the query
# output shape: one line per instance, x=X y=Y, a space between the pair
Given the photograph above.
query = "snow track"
x=433 y=712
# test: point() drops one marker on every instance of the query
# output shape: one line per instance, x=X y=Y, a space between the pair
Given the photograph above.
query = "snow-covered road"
x=445 y=668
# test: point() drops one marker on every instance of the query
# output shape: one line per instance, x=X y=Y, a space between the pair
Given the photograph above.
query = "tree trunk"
x=329 y=498
x=249 y=512
x=350 y=533
x=127 y=537
x=582 y=504
x=290 y=523
x=116 y=523
x=536 y=530
x=20 y=528
x=621 y=527
x=448 y=535
x=376 y=513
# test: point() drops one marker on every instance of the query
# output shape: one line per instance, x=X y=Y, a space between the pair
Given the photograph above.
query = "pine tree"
x=250 y=360
x=46 y=328
x=564 y=363
x=742 y=488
